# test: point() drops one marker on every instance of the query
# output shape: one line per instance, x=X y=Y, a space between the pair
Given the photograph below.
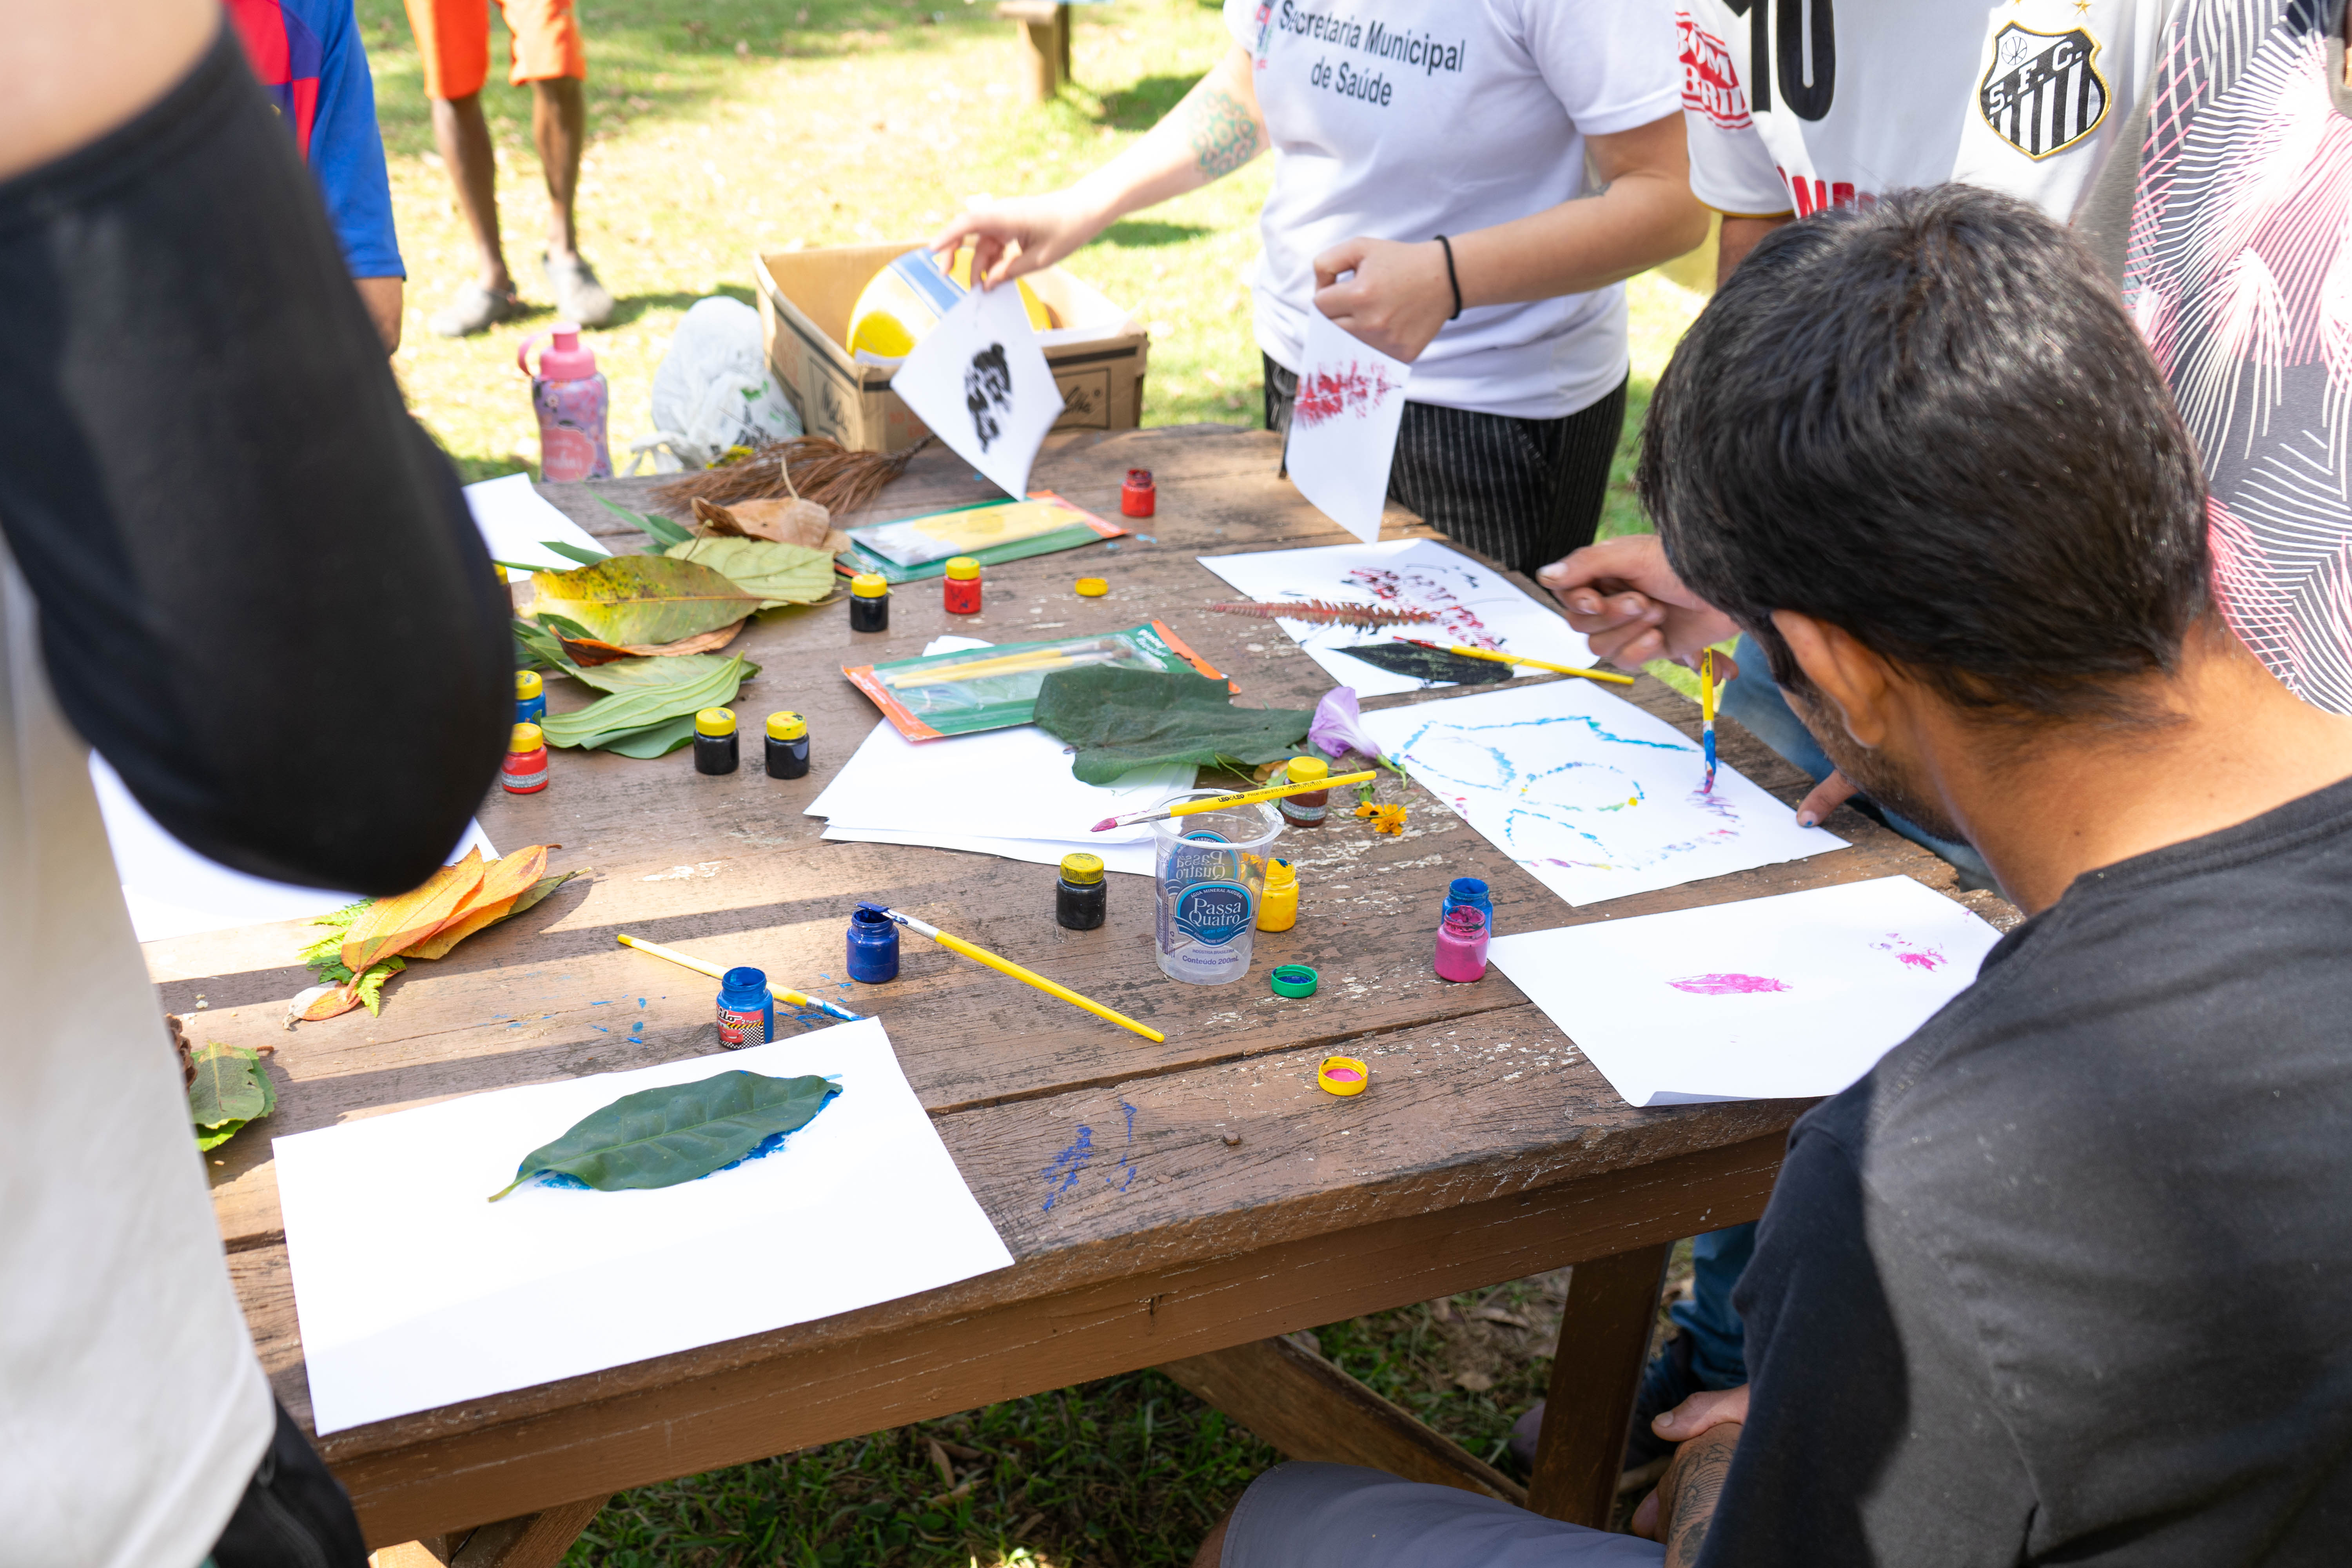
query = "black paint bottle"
x=1081 y=898
x=787 y=746
x=869 y=602
x=715 y=747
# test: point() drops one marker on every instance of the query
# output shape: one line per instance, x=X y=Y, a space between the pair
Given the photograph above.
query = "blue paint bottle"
x=530 y=697
x=873 y=946
x=1467 y=892
x=746 y=1009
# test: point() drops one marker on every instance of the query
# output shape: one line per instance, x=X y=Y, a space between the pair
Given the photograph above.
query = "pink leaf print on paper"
x=1328 y=391
x=1729 y=984
x=1912 y=954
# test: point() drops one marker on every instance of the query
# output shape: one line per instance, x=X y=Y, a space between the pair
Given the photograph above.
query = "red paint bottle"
x=524 y=772
x=963 y=586
x=1137 y=497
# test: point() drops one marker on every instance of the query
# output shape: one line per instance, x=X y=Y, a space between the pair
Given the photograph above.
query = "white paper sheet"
x=174 y=891
x=1343 y=425
x=1135 y=859
x=981 y=382
x=863 y=1205
x=1784 y=997
x=515 y=521
x=1596 y=798
x=1475 y=606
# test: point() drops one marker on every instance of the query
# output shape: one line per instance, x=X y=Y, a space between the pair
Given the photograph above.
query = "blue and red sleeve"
x=313 y=68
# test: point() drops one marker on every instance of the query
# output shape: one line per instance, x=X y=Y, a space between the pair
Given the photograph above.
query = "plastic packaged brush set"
x=996 y=687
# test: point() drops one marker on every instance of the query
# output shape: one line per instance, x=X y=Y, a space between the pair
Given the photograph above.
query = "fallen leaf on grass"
x=660 y=1137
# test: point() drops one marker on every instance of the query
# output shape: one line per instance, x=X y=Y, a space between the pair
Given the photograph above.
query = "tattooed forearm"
x=1223 y=134
x=1692 y=1485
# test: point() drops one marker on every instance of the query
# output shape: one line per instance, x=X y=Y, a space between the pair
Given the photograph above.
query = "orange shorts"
x=453 y=36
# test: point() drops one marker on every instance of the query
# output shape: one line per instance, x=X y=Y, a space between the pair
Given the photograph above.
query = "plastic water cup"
x=1209 y=873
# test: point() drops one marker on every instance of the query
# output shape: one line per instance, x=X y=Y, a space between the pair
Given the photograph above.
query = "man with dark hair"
x=2024 y=1291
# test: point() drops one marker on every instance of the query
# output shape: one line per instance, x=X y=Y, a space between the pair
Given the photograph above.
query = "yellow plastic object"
x=963 y=568
x=786 y=726
x=869 y=586
x=1278 y=907
x=715 y=721
x=1092 y=587
x=1308 y=770
x=906 y=299
x=1343 y=1074
x=1082 y=869
x=527 y=685
x=525 y=737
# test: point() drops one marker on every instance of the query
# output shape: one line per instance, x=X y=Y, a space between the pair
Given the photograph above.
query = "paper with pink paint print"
x=1778 y=998
x=1343 y=425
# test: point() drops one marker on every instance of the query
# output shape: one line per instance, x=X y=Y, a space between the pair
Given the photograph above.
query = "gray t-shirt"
x=2067 y=1277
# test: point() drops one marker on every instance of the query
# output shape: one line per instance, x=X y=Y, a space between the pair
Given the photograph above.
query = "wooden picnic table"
x=1245 y=1205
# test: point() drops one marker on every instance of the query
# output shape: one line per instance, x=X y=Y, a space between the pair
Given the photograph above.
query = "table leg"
x=1595 y=1372
x=533 y=1540
x=1046 y=43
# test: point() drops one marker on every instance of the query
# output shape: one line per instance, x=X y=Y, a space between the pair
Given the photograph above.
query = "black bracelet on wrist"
x=1450 y=278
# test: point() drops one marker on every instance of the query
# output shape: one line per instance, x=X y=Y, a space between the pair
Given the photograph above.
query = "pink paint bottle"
x=571 y=398
x=1462 y=945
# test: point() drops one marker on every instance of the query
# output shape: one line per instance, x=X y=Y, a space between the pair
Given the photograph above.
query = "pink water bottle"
x=569 y=397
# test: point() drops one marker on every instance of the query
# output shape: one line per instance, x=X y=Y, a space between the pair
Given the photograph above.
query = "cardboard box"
x=1098 y=357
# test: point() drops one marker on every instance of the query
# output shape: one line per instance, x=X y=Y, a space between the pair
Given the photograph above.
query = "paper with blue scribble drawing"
x=1595 y=797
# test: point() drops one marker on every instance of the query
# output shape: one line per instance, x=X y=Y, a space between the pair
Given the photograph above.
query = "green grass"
x=723 y=128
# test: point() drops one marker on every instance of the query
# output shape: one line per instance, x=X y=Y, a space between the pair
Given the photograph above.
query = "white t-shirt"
x=132 y=1409
x=1868 y=96
x=1409 y=118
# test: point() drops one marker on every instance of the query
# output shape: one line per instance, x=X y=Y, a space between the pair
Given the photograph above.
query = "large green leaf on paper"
x=660 y=1137
x=1125 y=719
x=780 y=574
x=609 y=717
x=643 y=601
x=231 y=1090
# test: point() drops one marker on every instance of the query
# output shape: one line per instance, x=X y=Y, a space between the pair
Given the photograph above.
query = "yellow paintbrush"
x=1515 y=659
x=1006 y=967
x=784 y=994
x=1193 y=808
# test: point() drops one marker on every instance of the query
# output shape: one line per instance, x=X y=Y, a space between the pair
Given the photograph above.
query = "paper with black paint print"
x=981 y=382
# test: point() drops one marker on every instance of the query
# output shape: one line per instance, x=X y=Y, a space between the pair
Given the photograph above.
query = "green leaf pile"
x=1125 y=719
x=660 y=1137
x=780 y=574
x=647 y=701
x=231 y=1090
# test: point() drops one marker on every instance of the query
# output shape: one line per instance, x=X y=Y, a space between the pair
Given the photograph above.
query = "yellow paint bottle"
x=1278 y=907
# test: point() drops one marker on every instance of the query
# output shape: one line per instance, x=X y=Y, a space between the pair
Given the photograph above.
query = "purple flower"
x=1339 y=726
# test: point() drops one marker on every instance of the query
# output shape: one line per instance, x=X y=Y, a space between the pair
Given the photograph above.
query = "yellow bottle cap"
x=1082 y=869
x=525 y=738
x=1280 y=875
x=500 y=570
x=1343 y=1074
x=869 y=586
x=715 y=721
x=1092 y=587
x=963 y=568
x=786 y=726
x=527 y=685
x=1308 y=770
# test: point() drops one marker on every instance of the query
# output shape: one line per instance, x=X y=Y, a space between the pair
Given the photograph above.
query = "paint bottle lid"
x=1082 y=869
x=1343 y=1074
x=1138 y=478
x=1279 y=874
x=525 y=738
x=963 y=568
x=1293 y=980
x=1308 y=770
x=744 y=978
x=1469 y=887
x=527 y=685
x=1092 y=587
x=786 y=726
x=715 y=721
x=869 y=586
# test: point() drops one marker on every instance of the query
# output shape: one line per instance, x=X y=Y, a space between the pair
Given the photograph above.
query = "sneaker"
x=477 y=308
x=579 y=297
x=1666 y=1382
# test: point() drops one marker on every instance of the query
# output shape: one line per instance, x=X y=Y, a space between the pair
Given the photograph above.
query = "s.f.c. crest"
x=2041 y=93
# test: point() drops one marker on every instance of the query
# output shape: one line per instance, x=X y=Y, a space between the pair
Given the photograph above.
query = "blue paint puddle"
x=1147 y=539
x=600 y=1004
x=599 y=1028
x=1110 y=544
x=641 y=1001
x=1126 y=1158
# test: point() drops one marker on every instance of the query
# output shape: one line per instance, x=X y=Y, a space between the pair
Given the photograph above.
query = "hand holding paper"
x=981 y=382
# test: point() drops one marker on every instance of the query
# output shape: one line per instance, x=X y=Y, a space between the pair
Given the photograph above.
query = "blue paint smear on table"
x=1066 y=1166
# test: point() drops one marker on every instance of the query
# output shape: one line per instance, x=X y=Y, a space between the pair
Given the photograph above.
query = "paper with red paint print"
x=1778 y=998
x=1343 y=425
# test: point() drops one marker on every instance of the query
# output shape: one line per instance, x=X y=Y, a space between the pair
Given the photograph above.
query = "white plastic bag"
x=713 y=392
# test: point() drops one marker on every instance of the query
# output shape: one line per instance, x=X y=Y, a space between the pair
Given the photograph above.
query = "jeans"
x=1718 y=1343
x=1754 y=698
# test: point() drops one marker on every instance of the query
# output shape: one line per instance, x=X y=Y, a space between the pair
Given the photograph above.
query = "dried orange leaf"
x=394 y=925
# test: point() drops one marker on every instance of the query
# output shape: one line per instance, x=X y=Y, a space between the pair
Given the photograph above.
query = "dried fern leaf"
x=1363 y=617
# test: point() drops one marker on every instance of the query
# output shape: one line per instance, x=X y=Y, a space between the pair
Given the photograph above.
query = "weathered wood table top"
x=1245 y=1203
